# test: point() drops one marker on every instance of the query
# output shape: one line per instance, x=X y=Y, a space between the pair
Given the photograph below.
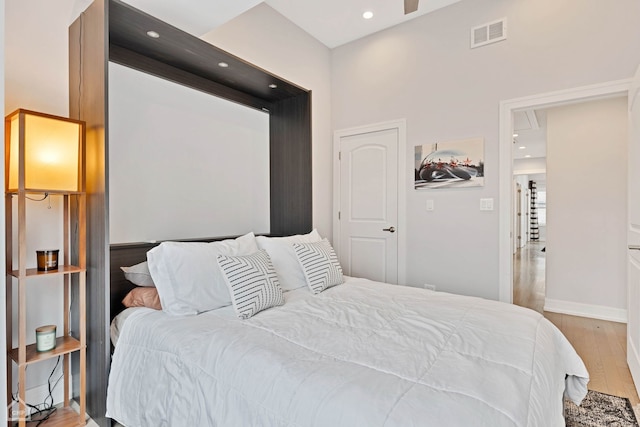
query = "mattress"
x=359 y=354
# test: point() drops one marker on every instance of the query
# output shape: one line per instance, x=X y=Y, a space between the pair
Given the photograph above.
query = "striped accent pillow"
x=252 y=281
x=320 y=265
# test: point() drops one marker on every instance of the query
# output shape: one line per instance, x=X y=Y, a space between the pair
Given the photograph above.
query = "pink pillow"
x=143 y=297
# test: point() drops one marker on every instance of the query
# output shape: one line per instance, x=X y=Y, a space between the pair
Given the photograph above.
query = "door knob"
x=390 y=229
x=632 y=247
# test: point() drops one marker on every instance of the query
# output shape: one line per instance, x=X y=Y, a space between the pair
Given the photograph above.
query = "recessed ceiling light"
x=522 y=147
x=223 y=64
x=273 y=86
x=528 y=155
x=367 y=15
x=153 y=34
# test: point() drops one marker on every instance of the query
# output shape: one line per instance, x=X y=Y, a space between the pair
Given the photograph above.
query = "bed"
x=360 y=353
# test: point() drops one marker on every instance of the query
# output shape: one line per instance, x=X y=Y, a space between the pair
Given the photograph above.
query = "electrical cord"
x=38 y=200
x=46 y=406
x=46 y=196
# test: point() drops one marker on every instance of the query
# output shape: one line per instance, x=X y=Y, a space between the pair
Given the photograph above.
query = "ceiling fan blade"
x=410 y=6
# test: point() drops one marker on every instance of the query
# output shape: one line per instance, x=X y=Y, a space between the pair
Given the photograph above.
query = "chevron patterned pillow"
x=252 y=281
x=320 y=265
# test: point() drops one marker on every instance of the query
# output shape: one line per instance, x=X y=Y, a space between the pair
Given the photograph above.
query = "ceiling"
x=530 y=126
x=332 y=22
x=530 y=146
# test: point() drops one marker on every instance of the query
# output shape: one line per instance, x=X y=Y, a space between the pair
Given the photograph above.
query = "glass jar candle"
x=46 y=338
x=47 y=259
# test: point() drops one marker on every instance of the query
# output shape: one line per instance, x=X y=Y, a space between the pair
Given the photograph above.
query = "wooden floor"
x=601 y=344
x=528 y=277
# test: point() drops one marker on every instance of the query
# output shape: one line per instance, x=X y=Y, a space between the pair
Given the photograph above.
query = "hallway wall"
x=587 y=195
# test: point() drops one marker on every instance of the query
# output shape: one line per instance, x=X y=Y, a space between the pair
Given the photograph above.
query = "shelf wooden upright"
x=26 y=354
x=73 y=271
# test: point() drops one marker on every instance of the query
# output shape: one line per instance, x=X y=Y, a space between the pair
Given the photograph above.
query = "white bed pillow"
x=138 y=274
x=320 y=265
x=187 y=275
x=252 y=282
x=283 y=257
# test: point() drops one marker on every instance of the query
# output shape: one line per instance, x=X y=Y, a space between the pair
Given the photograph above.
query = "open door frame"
x=633 y=234
x=507 y=108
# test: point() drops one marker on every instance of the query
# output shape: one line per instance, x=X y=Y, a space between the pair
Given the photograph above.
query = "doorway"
x=370 y=180
x=529 y=257
x=587 y=211
x=507 y=110
x=529 y=199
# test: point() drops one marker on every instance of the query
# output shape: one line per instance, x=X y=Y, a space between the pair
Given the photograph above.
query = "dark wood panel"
x=290 y=154
x=187 y=60
x=87 y=101
x=124 y=256
x=156 y=68
x=128 y=28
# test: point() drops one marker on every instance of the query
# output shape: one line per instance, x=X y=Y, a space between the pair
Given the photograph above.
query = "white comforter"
x=360 y=354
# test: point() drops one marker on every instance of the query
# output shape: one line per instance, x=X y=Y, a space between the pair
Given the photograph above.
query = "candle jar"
x=47 y=259
x=46 y=338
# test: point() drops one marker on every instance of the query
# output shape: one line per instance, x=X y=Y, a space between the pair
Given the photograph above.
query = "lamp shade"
x=47 y=149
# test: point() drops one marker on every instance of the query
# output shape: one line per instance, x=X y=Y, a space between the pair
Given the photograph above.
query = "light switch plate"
x=486 y=204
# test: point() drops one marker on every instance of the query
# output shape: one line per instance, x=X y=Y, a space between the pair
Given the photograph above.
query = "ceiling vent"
x=489 y=33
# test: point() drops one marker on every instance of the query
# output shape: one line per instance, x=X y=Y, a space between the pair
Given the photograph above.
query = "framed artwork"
x=453 y=164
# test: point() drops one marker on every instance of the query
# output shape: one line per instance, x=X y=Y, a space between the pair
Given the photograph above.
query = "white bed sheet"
x=359 y=354
x=118 y=322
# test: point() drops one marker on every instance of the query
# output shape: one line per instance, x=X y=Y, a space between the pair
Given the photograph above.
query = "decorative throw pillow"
x=283 y=257
x=138 y=274
x=252 y=282
x=320 y=265
x=143 y=297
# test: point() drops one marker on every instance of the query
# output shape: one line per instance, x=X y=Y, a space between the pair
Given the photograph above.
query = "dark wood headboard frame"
x=189 y=61
x=124 y=255
x=110 y=30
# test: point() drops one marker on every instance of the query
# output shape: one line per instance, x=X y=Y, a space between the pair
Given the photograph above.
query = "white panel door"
x=369 y=205
x=633 y=303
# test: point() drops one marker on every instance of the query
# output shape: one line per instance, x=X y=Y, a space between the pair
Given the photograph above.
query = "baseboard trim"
x=586 y=310
x=39 y=393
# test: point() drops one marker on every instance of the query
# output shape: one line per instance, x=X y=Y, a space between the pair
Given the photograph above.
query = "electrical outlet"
x=430 y=287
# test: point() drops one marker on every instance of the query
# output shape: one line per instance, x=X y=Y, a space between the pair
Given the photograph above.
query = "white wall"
x=182 y=163
x=36 y=55
x=36 y=78
x=530 y=165
x=424 y=71
x=587 y=197
x=267 y=39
